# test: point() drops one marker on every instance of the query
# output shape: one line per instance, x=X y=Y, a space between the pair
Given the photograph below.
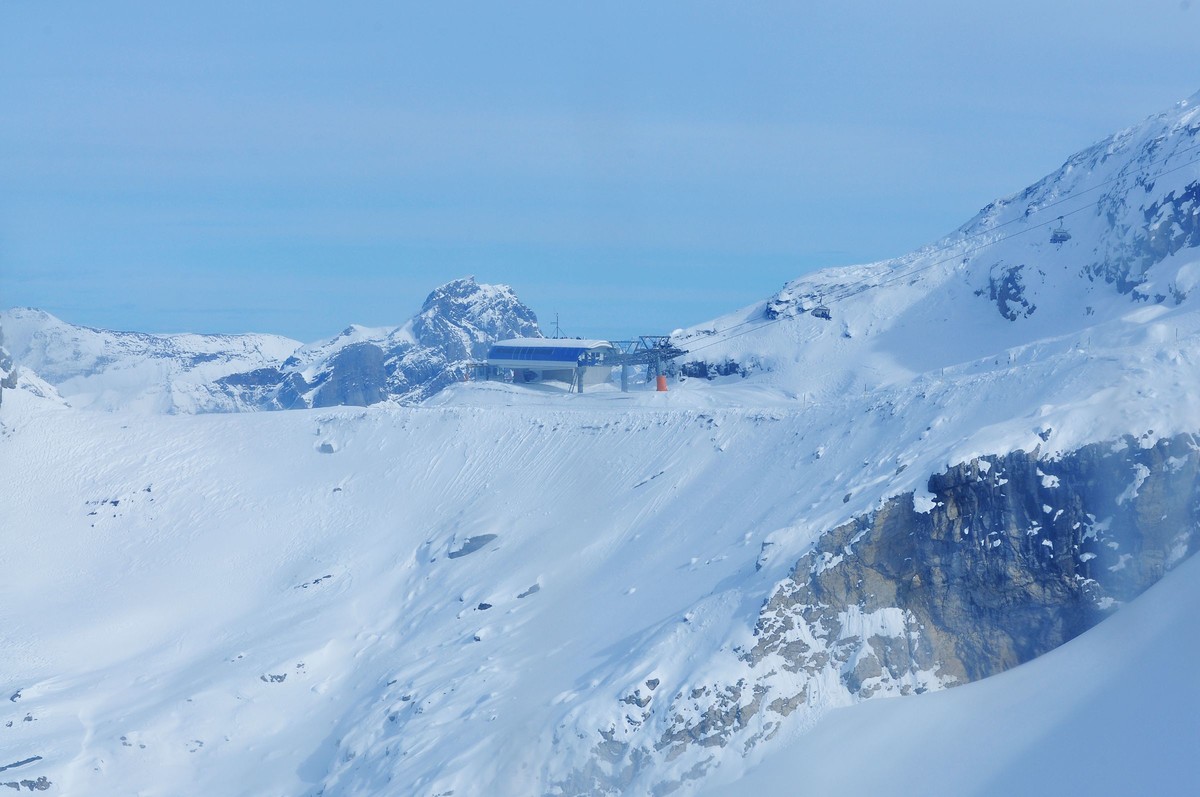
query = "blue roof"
x=548 y=353
x=557 y=354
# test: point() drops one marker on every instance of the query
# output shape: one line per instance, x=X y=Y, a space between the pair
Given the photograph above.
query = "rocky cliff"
x=1006 y=557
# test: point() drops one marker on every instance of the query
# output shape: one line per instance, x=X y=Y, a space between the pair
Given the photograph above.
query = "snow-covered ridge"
x=105 y=369
x=1131 y=204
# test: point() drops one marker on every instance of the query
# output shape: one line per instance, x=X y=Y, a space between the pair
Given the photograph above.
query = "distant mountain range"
x=193 y=373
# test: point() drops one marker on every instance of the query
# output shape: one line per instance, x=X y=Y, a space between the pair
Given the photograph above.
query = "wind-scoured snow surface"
x=513 y=591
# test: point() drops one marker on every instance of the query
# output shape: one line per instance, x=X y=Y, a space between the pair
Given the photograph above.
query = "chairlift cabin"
x=821 y=311
x=1060 y=234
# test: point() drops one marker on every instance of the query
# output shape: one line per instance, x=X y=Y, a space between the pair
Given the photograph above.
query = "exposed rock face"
x=703 y=369
x=1160 y=229
x=457 y=324
x=1014 y=556
x=1017 y=556
x=357 y=377
x=1007 y=290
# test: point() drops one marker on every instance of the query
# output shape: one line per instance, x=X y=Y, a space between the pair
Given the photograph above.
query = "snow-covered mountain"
x=190 y=373
x=363 y=366
x=1130 y=204
x=990 y=447
x=103 y=369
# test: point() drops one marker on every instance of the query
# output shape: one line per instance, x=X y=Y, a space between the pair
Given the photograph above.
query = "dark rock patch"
x=472 y=544
x=1006 y=289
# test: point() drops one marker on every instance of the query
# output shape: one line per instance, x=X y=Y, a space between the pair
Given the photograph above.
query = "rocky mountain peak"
x=467 y=316
x=457 y=323
x=462 y=288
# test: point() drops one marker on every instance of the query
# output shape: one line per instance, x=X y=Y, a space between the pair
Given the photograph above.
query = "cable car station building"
x=578 y=363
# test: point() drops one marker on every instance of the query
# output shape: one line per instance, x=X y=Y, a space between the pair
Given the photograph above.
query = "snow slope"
x=1111 y=713
x=166 y=566
x=997 y=286
x=493 y=592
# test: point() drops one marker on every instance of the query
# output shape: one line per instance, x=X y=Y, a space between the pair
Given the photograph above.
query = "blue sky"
x=635 y=167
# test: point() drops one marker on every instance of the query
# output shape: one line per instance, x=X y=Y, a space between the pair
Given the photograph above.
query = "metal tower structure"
x=653 y=351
